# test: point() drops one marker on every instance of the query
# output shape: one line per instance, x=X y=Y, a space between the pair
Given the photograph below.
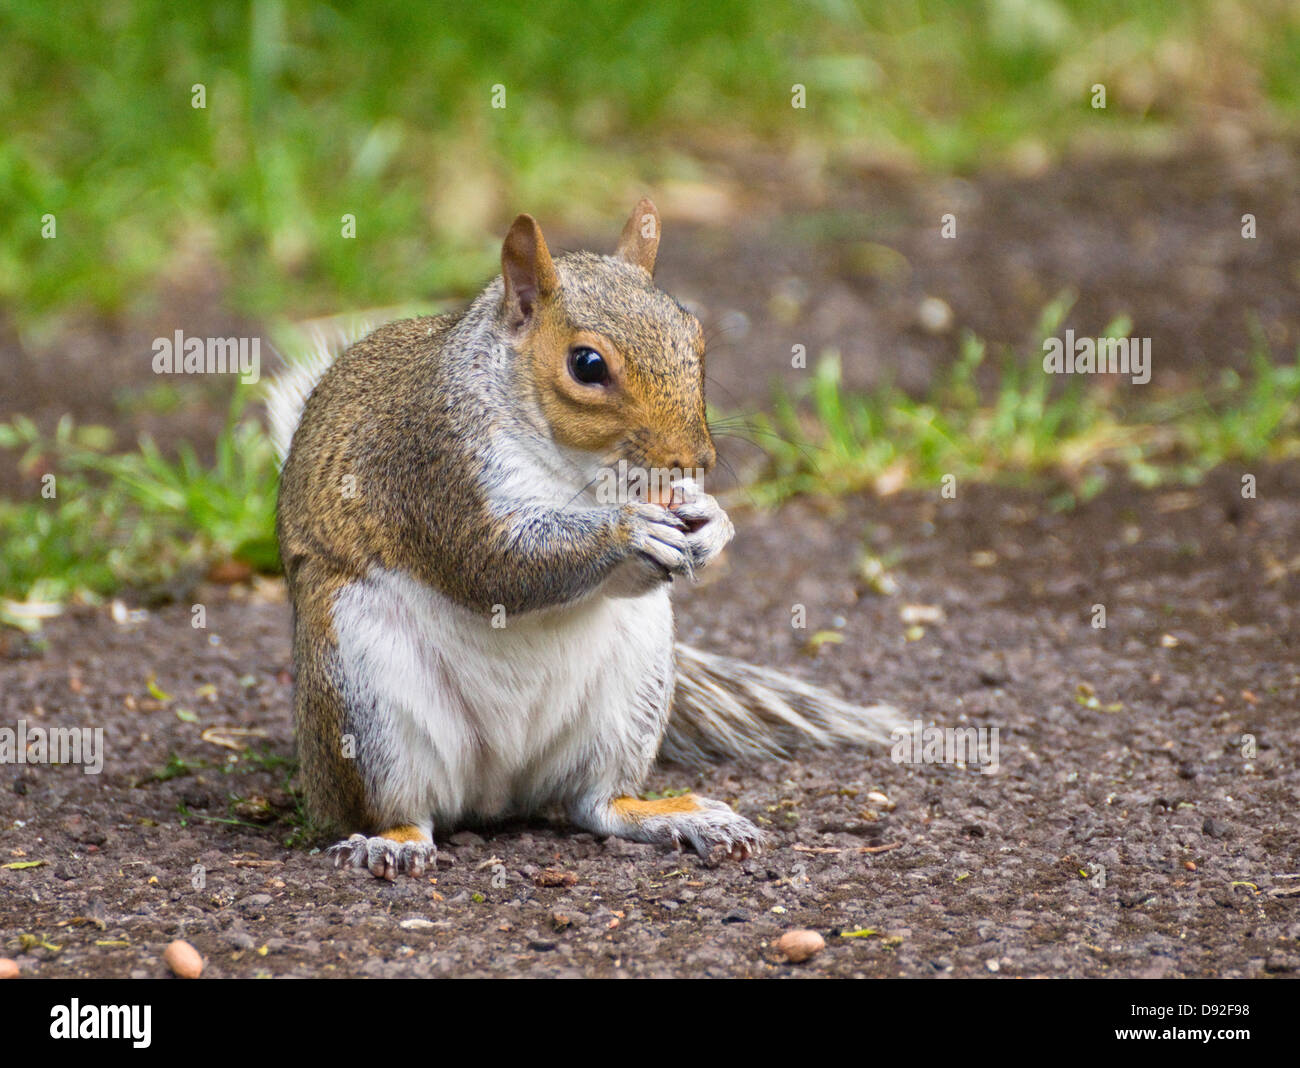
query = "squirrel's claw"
x=384 y=857
x=660 y=536
x=738 y=851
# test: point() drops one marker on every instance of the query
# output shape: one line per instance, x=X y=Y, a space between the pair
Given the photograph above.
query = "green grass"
x=384 y=111
x=1072 y=440
x=132 y=519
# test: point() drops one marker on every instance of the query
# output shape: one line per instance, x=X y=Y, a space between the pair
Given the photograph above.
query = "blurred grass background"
x=385 y=111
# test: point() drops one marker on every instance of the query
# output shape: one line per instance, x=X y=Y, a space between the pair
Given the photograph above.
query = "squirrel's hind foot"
x=713 y=829
x=402 y=851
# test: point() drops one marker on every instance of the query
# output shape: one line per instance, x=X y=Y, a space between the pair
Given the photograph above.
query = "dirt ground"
x=1142 y=820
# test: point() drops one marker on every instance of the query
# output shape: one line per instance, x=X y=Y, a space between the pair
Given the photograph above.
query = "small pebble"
x=1216 y=828
x=916 y=614
x=934 y=315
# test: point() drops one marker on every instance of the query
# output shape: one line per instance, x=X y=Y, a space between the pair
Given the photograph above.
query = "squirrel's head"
x=616 y=365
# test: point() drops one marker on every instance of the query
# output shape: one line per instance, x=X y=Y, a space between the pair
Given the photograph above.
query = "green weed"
x=133 y=519
x=1020 y=430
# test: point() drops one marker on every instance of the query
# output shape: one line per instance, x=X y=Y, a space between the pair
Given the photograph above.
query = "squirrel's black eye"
x=588 y=366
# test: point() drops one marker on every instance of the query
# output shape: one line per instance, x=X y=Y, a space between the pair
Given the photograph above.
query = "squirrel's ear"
x=640 y=241
x=527 y=271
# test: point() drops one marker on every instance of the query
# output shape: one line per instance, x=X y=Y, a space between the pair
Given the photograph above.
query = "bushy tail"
x=724 y=707
x=309 y=350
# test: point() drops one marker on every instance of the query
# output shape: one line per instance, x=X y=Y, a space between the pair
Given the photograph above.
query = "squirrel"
x=482 y=620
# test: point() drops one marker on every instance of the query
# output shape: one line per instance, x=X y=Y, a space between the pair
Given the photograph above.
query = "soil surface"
x=1142 y=817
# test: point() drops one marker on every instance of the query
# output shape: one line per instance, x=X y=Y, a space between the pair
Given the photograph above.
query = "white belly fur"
x=480 y=721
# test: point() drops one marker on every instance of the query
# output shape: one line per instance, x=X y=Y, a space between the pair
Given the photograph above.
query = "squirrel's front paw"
x=708 y=527
x=387 y=858
x=659 y=536
x=681 y=539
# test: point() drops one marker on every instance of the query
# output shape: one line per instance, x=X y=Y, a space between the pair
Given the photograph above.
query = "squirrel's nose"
x=701 y=458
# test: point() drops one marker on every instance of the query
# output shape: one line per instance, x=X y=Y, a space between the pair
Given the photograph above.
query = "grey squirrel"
x=481 y=628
